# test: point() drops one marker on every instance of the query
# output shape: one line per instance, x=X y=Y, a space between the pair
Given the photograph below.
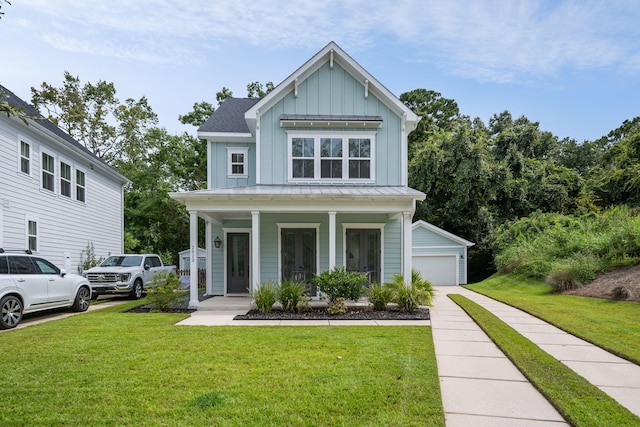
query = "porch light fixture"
x=217 y=242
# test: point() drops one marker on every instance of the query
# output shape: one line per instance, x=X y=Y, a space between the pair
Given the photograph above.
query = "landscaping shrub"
x=337 y=306
x=409 y=298
x=339 y=283
x=265 y=296
x=621 y=293
x=163 y=290
x=573 y=272
x=379 y=296
x=292 y=295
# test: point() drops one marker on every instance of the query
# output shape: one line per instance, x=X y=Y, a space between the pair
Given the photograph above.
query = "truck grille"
x=102 y=277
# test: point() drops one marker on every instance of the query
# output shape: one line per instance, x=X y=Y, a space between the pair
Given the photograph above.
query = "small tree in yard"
x=163 y=290
x=90 y=259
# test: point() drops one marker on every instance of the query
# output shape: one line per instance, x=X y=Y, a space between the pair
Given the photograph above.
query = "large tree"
x=92 y=114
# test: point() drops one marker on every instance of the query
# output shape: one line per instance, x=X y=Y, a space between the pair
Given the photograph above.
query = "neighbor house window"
x=32 y=235
x=332 y=157
x=25 y=157
x=80 y=186
x=237 y=162
x=48 y=171
x=65 y=179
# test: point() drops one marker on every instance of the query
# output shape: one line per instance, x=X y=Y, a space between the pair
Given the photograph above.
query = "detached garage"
x=441 y=257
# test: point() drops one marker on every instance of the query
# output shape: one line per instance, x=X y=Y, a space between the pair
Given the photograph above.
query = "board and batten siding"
x=329 y=92
x=65 y=225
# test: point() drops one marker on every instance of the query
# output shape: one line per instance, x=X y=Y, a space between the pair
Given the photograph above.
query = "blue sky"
x=572 y=65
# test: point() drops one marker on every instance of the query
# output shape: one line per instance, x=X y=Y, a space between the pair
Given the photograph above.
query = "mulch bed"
x=352 y=313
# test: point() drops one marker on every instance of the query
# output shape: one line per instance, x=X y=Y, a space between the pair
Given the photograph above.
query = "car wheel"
x=82 y=300
x=11 y=309
x=136 y=293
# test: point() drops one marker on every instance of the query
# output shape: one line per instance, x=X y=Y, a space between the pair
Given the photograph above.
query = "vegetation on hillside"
x=567 y=250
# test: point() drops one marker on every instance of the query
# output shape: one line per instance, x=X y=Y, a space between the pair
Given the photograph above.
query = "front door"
x=299 y=255
x=363 y=253
x=237 y=263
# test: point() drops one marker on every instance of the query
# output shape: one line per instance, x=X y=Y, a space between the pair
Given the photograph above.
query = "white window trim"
x=317 y=135
x=28 y=219
x=237 y=150
x=42 y=170
x=75 y=185
x=22 y=139
x=363 y=226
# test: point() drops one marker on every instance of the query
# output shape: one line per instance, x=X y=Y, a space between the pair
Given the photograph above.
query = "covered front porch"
x=273 y=233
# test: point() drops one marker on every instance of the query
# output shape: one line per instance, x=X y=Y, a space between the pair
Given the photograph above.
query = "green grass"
x=612 y=325
x=579 y=402
x=110 y=368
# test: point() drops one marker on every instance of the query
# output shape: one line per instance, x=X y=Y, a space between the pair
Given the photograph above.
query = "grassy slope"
x=578 y=401
x=110 y=368
x=613 y=325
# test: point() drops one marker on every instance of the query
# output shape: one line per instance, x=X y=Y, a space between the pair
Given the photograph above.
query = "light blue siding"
x=330 y=92
x=219 y=163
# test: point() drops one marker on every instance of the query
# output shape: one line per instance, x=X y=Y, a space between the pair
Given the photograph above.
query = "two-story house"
x=55 y=195
x=312 y=176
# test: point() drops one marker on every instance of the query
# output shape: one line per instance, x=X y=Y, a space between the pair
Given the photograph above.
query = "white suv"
x=29 y=283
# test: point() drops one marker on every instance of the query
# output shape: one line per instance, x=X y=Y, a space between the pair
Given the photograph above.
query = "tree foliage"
x=92 y=114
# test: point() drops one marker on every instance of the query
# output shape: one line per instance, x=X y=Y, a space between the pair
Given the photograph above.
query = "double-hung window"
x=331 y=157
x=237 y=161
x=32 y=234
x=48 y=172
x=65 y=179
x=25 y=157
x=80 y=186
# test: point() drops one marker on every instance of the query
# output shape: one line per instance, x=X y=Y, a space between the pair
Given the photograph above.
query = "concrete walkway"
x=479 y=385
x=464 y=354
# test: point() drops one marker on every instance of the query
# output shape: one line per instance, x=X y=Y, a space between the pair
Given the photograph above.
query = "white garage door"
x=439 y=270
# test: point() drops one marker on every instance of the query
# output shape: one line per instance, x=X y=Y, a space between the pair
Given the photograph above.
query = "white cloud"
x=485 y=40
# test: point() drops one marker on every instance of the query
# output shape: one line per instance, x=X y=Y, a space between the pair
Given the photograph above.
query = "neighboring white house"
x=310 y=177
x=440 y=257
x=55 y=195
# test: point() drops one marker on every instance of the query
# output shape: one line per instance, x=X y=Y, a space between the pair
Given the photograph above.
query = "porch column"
x=407 y=251
x=207 y=246
x=332 y=240
x=255 y=249
x=193 y=257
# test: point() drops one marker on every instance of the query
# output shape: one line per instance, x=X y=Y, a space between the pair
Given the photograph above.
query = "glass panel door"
x=299 y=255
x=237 y=263
x=363 y=253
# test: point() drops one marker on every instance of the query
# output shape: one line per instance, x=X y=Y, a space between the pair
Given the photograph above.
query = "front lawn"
x=612 y=325
x=112 y=368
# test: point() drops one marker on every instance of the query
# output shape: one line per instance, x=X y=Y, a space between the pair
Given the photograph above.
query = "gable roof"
x=40 y=122
x=333 y=53
x=441 y=232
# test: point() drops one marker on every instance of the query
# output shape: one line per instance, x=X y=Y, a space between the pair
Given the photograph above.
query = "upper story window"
x=331 y=157
x=25 y=157
x=80 y=186
x=237 y=162
x=48 y=172
x=65 y=179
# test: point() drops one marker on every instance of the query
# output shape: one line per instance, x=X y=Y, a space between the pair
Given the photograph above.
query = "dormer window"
x=331 y=156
